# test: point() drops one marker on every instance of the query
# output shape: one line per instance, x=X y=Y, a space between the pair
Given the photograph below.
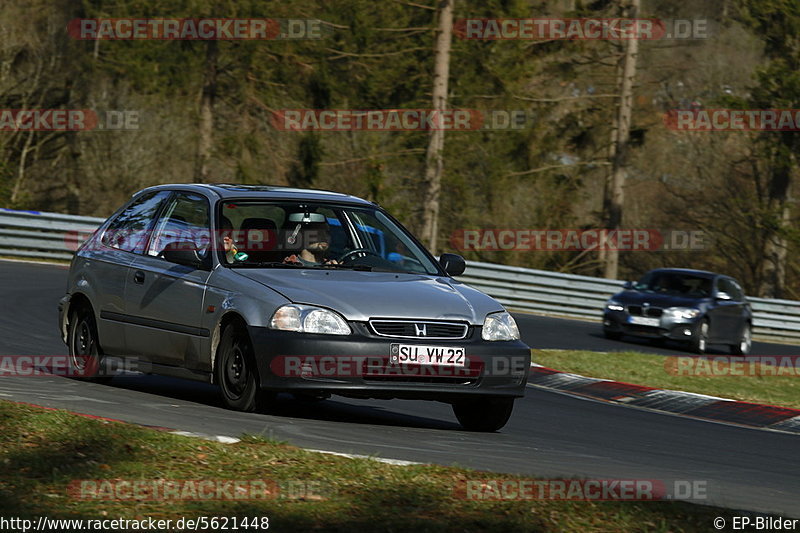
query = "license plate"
x=645 y=321
x=419 y=354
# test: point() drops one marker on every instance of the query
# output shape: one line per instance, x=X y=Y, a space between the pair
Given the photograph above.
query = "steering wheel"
x=364 y=251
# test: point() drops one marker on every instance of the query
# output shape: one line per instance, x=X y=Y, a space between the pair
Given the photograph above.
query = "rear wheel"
x=488 y=414
x=236 y=372
x=84 y=345
x=699 y=342
x=745 y=342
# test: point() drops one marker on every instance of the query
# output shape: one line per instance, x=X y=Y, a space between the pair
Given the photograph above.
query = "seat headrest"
x=258 y=223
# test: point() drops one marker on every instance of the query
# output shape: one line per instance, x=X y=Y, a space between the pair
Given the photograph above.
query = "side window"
x=739 y=291
x=729 y=287
x=129 y=231
x=734 y=290
x=186 y=219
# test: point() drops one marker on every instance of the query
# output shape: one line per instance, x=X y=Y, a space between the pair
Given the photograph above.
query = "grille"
x=638 y=310
x=645 y=331
x=419 y=329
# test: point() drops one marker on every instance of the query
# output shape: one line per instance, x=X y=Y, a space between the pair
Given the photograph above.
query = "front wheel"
x=745 y=342
x=613 y=335
x=489 y=414
x=236 y=372
x=699 y=342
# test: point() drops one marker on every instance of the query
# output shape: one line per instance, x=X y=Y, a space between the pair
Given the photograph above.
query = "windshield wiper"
x=360 y=268
x=277 y=264
x=267 y=264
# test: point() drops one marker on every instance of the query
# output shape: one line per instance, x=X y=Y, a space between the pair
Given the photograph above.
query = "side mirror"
x=628 y=285
x=723 y=296
x=453 y=264
x=182 y=253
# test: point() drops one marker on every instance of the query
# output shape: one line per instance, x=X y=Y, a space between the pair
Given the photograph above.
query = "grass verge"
x=42 y=451
x=653 y=371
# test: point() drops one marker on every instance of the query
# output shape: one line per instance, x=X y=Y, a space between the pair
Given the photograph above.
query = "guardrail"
x=42 y=235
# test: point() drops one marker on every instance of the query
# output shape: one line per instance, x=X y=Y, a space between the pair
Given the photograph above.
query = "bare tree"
x=434 y=163
x=614 y=194
x=206 y=126
x=776 y=248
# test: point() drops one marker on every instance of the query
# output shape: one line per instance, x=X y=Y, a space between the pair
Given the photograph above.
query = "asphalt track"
x=549 y=435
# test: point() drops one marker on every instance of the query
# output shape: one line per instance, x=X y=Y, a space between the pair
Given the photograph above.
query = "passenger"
x=315 y=241
x=232 y=254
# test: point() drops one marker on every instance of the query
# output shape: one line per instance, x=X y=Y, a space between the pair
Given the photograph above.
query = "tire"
x=486 y=415
x=84 y=346
x=613 y=335
x=699 y=343
x=236 y=373
x=745 y=342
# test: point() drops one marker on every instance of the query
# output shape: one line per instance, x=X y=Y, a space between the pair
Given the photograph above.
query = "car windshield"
x=281 y=234
x=675 y=283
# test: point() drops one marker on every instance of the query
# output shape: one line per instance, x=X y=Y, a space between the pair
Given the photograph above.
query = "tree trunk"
x=26 y=147
x=434 y=163
x=773 y=263
x=615 y=187
x=205 y=141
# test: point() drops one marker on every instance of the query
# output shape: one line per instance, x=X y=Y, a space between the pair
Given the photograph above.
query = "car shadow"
x=335 y=409
x=657 y=346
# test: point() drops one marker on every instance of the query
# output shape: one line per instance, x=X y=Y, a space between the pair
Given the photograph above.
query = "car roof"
x=699 y=273
x=227 y=191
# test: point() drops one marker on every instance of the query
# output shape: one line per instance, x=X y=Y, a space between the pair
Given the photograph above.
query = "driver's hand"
x=330 y=262
x=291 y=259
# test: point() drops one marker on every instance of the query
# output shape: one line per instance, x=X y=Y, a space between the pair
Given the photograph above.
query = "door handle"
x=138 y=277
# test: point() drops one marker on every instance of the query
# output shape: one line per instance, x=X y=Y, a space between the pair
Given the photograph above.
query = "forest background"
x=205 y=111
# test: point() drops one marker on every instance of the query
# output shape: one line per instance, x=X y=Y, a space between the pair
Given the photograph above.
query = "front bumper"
x=668 y=327
x=358 y=365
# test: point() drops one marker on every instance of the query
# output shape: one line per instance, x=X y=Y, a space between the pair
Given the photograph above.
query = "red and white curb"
x=669 y=401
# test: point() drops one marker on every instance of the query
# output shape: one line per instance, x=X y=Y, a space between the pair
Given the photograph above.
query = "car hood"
x=657 y=300
x=360 y=296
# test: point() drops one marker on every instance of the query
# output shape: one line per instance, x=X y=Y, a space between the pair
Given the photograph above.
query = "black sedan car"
x=695 y=306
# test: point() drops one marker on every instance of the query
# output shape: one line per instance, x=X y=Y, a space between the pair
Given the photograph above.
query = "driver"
x=315 y=241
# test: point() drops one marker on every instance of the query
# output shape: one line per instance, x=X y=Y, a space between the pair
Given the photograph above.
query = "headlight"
x=308 y=319
x=499 y=327
x=684 y=313
x=613 y=305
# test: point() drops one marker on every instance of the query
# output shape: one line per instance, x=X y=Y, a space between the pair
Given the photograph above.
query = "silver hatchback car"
x=270 y=289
